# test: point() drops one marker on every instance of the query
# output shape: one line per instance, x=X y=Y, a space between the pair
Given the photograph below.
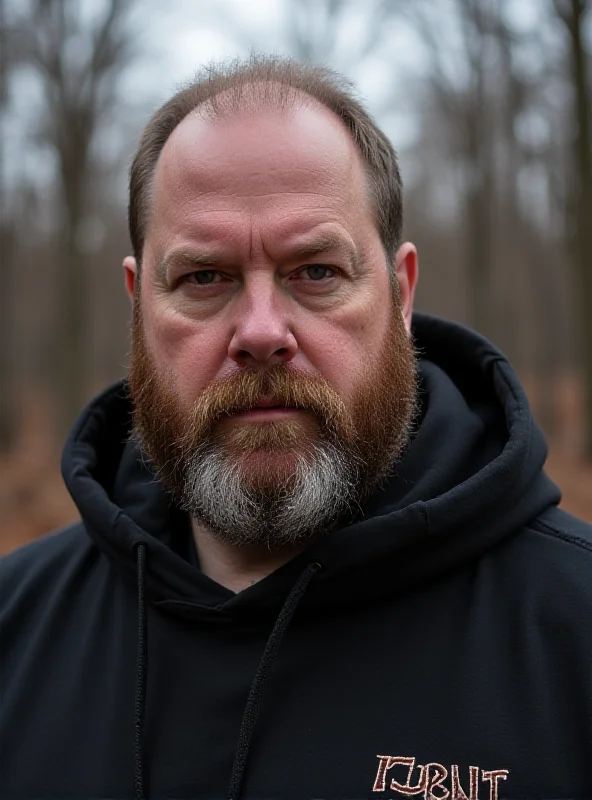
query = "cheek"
x=189 y=354
x=347 y=345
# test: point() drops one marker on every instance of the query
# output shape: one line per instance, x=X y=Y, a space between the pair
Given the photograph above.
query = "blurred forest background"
x=488 y=103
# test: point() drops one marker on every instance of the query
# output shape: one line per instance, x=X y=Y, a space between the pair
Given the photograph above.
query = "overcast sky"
x=190 y=33
x=174 y=38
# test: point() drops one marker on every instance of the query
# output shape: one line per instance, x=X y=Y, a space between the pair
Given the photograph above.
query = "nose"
x=262 y=335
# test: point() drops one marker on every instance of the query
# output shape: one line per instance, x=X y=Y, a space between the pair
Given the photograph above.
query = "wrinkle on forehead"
x=293 y=170
x=304 y=151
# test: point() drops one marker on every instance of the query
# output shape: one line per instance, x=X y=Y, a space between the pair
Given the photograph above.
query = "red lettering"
x=435 y=774
x=407 y=789
x=457 y=790
x=493 y=776
x=384 y=764
x=430 y=781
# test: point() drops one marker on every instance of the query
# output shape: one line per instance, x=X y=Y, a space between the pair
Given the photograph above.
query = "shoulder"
x=35 y=557
x=551 y=561
x=30 y=573
x=565 y=545
x=566 y=529
x=565 y=541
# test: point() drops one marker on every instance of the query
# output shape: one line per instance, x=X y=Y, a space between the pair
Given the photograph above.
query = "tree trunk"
x=583 y=233
x=72 y=339
x=72 y=336
x=478 y=221
x=8 y=406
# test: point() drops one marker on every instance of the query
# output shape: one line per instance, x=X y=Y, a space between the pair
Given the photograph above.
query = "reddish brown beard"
x=372 y=435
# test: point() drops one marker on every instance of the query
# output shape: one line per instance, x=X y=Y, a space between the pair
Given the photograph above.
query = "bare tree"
x=78 y=61
x=573 y=15
x=314 y=28
x=459 y=90
x=8 y=406
x=519 y=95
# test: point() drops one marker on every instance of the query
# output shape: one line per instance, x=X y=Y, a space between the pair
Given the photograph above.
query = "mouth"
x=269 y=402
x=266 y=408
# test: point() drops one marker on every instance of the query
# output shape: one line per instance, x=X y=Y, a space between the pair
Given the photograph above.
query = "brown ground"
x=33 y=499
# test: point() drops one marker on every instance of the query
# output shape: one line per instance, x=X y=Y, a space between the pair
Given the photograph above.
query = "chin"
x=263 y=469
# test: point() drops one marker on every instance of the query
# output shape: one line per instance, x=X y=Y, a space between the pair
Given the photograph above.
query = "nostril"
x=261 y=352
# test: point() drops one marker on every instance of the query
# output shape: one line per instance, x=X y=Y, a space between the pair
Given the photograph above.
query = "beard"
x=277 y=483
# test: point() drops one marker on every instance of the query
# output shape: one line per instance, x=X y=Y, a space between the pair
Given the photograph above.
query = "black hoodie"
x=439 y=646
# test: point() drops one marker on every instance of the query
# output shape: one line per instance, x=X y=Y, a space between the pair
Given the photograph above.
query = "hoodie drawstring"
x=251 y=712
x=142 y=669
x=252 y=707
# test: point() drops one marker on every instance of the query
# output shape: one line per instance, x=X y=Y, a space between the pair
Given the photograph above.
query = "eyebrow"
x=199 y=258
x=204 y=258
x=324 y=244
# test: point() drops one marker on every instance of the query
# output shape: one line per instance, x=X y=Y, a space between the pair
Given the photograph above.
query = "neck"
x=237 y=568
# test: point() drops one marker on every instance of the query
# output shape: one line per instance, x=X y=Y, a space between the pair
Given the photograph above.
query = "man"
x=318 y=555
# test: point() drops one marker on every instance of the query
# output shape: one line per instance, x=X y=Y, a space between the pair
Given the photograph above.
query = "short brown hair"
x=283 y=80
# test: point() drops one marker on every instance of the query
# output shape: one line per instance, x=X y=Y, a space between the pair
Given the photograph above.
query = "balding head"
x=270 y=84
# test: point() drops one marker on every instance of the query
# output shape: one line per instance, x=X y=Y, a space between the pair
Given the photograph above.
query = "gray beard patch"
x=324 y=487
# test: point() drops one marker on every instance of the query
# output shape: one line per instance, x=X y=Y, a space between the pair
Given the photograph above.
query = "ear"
x=406 y=273
x=131 y=271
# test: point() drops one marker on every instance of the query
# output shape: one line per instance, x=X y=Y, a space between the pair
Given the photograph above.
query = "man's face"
x=272 y=374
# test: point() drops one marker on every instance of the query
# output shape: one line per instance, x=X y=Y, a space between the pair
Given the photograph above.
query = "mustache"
x=287 y=386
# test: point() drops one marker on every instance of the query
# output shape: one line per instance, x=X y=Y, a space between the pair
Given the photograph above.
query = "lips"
x=265 y=408
x=270 y=402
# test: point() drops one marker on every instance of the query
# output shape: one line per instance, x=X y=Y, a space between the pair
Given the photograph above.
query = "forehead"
x=264 y=159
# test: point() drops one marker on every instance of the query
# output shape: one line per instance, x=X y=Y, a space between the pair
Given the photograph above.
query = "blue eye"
x=204 y=276
x=317 y=272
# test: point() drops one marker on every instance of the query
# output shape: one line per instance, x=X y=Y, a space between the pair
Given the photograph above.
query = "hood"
x=471 y=477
